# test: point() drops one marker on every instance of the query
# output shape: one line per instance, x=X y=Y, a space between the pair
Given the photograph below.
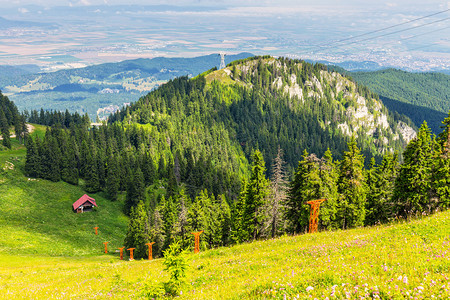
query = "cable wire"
x=386 y=28
x=382 y=35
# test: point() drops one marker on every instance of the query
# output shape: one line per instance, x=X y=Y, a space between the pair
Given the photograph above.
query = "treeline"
x=11 y=119
x=355 y=196
x=114 y=159
x=63 y=119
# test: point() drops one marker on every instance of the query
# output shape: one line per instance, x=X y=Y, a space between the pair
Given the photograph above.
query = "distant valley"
x=98 y=89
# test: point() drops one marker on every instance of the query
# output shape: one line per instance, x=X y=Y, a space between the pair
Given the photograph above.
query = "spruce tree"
x=329 y=190
x=381 y=182
x=239 y=232
x=137 y=233
x=112 y=178
x=32 y=162
x=182 y=224
x=169 y=217
x=413 y=186
x=305 y=186
x=352 y=188
x=4 y=129
x=92 y=183
x=156 y=231
x=278 y=194
x=224 y=220
x=69 y=170
x=441 y=178
x=257 y=192
x=135 y=190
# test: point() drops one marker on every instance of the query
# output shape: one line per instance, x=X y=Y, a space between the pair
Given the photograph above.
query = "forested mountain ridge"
x=417 y=91
x=262 y=103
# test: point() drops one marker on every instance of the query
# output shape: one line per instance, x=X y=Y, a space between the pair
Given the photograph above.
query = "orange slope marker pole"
x=106 y=246
x=121 y=252
x=150 y=251
x=197 y=241
x=96 y=233
x=131 y=253
x=314 y=214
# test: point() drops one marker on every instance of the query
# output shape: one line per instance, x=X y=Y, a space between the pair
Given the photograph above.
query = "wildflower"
x=405 y=280
x=309 y=288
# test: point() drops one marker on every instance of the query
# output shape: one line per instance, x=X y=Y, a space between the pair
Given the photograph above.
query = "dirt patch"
x=30 y=130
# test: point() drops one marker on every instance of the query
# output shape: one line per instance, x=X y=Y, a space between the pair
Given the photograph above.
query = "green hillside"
x=397 y=261
x=37 y=218
x=425 y=96
x=262 y=103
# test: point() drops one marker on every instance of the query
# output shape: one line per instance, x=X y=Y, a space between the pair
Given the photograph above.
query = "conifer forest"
x=237 y=155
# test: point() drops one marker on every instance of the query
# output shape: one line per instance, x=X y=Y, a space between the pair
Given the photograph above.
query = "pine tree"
x=278 y=193
x=69 y=170
x=169 y=217
x=413 y=187
x=329 y=175
x=148 y=169
x=135 y=190
x=305 y=186
x=441 y=178
x=112 y=178
x=257 y=192
x=224 y=220
x=4 y=129
x=352 y=187
x=92 y=183
x=381 y=182
x=182 y=224
x=32 y=163
x=156 y=231
x=239 y=232
x=137 y=234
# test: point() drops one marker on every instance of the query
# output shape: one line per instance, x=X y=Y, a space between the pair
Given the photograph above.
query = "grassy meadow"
x=47 y=251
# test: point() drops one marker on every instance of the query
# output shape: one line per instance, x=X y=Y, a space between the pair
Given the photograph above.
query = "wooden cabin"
x=85 y=203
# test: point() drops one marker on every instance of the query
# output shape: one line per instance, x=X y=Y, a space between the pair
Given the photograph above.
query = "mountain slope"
x=390 y=262
x=265 y=103
x=37 y=218
x=429 y=90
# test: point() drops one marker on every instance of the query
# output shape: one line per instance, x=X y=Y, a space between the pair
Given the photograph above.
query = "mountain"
x=20 y=70
x=8 y=24
x=98 y=88
x=420 y=96
x=262 y=103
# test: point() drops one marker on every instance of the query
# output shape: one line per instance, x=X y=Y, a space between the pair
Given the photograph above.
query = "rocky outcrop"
x=406 y=131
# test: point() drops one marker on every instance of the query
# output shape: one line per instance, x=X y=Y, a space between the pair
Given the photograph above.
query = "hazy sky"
x=361 y=4
x=91 y=31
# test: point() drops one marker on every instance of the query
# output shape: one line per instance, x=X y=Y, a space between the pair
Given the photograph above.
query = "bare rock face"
x=351 y=113
x=406 y=131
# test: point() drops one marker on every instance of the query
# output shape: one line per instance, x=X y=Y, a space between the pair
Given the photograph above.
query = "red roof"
x=85 y=198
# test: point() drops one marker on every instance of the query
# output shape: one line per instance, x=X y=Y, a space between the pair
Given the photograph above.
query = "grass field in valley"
x=46 y=251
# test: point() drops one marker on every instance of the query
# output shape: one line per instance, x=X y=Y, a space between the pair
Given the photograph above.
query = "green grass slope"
x=36 y=215
x=398 y=261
